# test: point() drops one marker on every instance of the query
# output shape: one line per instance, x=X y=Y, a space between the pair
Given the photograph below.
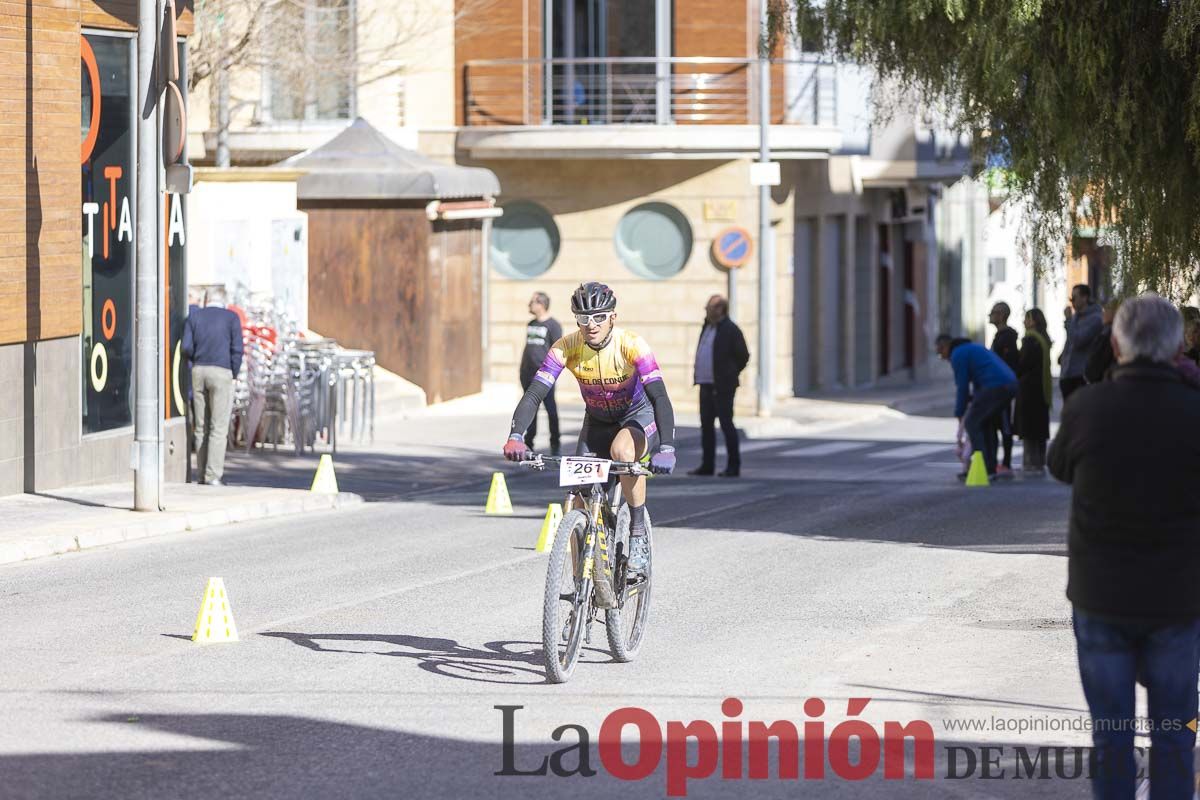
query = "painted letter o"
x=108 y=319
x=99 y=367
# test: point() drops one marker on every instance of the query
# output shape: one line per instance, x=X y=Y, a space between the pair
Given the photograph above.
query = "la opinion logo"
x=116 y=215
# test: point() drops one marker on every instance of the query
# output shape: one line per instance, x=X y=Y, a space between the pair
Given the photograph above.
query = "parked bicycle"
x=588 y=571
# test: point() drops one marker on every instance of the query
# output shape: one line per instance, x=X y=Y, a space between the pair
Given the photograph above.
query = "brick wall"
x=498 y=29
x=40 y=216
x=40 y=278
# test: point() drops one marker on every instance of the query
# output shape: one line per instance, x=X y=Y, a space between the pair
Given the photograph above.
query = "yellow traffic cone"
x=215 y=623
x=325 y=481
x=498 y=501
x=554 y=516
x=977 y=474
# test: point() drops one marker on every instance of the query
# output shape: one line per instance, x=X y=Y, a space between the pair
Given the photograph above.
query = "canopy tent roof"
x=360 y=163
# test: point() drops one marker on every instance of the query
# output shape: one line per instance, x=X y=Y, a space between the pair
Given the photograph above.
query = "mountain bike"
x=588 y=569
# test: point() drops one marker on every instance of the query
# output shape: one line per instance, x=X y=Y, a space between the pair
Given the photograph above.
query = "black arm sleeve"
x=527 y=408
x=664 y=414
x=740 y=352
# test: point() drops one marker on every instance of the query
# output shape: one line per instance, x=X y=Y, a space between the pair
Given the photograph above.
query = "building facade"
x=622 y=133
x=67 y=326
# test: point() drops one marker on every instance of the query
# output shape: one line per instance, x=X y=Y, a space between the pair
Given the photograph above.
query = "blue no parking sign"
x=732 y=248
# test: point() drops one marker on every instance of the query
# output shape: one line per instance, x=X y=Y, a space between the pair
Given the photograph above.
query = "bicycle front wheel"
x=626 y=624
x=566 y=601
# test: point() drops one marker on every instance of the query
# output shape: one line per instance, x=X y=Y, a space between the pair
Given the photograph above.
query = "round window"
x=654 y=240
x=524 y=240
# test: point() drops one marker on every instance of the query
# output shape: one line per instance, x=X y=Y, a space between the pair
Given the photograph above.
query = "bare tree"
x=314 y=53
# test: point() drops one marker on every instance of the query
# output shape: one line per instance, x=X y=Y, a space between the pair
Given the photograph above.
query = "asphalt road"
x=377 y=643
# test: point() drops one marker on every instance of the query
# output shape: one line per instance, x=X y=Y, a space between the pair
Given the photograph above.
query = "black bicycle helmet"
x=592 y=296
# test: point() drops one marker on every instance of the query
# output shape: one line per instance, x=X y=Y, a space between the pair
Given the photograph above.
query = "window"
x=587 y=90
x=107 y=238
x=107 y=232
x=654 y=240
x=525 y=240
x=311 y=72
x=996 y=270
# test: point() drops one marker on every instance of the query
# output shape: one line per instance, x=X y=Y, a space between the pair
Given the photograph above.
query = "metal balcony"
x=643 y=91
x=644 y=107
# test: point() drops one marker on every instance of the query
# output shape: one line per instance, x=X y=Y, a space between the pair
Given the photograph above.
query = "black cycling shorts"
x=596 y=436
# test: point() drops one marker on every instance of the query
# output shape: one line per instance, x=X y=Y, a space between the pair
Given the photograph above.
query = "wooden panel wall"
x=366 y=283
x=720 y=29
x=456 y=346
x=498 y=29
x=381 y=279
x=121 y=15
x=40 y=273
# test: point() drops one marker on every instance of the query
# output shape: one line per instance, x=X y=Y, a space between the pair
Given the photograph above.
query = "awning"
x=360 y=163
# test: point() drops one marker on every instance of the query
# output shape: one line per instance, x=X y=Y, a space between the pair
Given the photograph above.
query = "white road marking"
x=827 y=449
x=913 y=451
x=753 y=447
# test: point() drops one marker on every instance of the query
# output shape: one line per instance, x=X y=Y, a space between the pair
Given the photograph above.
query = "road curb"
x=90 y=535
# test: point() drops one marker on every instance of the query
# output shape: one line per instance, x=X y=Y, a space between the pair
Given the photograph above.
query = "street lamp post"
x=147 y=456
x=766 y=252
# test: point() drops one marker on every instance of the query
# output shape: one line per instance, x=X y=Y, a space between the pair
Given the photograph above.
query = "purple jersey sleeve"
x=552 y=366
x=644 y=360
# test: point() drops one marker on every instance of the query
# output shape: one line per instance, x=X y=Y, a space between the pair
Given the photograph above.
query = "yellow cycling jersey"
x=612 y=380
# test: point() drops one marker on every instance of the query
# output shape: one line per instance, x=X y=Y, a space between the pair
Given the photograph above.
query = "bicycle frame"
x=600 y=502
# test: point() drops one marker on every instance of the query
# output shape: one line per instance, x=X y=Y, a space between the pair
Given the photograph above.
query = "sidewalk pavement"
x=68 y=520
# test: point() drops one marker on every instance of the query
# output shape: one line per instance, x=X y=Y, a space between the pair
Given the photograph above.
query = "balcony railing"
x=645 y=91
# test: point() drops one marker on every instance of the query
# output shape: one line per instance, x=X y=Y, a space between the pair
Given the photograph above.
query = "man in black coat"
x=721 y=355
x=1130 y=448
x=1004 y=344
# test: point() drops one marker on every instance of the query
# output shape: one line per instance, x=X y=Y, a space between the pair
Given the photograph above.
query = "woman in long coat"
x=1034 y=391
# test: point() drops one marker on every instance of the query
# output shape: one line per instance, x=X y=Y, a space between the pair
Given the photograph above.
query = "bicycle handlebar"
x=539 y=461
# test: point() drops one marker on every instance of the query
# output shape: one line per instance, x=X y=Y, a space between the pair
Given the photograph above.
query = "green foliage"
x=1093 y=107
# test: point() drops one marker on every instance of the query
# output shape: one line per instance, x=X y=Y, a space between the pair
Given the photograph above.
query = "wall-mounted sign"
x=720 y=210
x=765 y=173
x=732 y=247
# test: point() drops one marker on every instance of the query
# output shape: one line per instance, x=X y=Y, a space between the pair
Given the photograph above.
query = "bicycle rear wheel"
x=565 y=605
x=626 y=625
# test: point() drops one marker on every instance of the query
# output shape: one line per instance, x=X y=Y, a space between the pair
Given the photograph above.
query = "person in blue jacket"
x=990 y=383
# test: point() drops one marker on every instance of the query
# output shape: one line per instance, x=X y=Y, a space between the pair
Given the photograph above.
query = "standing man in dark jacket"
x=540 y=335
x=1128 y=446
x=1005 y=346
x=212 y=345
x=721 y=355
x=1084 y=322
x=1101 y=357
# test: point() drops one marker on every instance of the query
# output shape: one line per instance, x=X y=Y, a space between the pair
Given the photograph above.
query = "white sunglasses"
x=598 y=319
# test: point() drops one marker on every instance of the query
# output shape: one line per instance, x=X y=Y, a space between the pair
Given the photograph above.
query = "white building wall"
x=248 y=234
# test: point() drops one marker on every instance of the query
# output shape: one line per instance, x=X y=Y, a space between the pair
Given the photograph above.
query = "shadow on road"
x=287 y=756
x=507 y=662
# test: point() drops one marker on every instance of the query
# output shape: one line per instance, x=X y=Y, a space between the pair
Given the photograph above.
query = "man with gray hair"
x=1128 y=446
x=212 y=345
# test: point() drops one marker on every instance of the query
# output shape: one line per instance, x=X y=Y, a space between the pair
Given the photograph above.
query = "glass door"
x=587 y=87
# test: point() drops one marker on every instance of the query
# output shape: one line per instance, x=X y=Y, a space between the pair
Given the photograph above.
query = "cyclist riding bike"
x=628 y=412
